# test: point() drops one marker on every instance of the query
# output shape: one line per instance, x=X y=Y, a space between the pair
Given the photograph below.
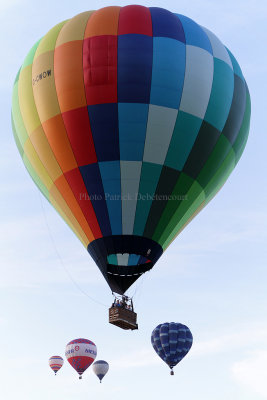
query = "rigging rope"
x=61 y=260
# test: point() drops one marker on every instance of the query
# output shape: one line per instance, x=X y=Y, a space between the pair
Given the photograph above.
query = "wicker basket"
x=123 y=318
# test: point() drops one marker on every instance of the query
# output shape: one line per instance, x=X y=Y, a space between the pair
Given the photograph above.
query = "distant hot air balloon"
x=100 y=368
x=129 y=120
x=80 y=353
x=171 y=341
x=55 y=362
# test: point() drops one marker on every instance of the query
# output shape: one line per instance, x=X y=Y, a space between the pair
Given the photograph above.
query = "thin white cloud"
x=251 y=373
x=244 y=338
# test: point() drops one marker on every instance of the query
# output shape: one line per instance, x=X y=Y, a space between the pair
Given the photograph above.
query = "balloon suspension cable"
x=139 y=285
x=61 y=261
x=121 y=297
x=125 y=301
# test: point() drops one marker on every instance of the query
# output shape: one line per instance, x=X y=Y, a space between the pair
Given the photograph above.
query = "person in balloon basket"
x=116 y=304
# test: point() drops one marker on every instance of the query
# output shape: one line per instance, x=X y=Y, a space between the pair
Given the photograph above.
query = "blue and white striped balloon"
x=171 y=341
x=100 y=368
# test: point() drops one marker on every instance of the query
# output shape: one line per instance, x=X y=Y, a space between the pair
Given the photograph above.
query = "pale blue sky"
x=213 y=278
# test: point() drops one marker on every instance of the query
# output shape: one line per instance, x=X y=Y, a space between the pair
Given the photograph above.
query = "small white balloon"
x=100 y=368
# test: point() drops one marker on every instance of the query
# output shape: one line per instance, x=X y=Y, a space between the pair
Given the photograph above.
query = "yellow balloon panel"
x=48 y=42
x=21 y=132
x=37 y=164
x=55 y=132
x=26 y=100
x=73 y=29
x=60 y=205
x=45 y=153
x=44 y=89
x=67 y=198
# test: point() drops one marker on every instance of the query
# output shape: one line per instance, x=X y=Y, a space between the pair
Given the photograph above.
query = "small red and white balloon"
x=81 y=353
x=55 y=363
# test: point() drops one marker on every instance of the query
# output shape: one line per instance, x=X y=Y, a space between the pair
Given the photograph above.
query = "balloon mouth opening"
x=128 y=270
x=126 y=264
x=124 y=254
x=127 y=259
x=122 y=259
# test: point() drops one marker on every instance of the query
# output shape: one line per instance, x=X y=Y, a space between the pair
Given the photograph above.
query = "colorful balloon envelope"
x=129 y=120
x=55 y=363
x=171 y=341
x=100 y=368
x=81 y=353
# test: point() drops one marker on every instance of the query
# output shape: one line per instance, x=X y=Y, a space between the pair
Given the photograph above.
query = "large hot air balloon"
x=55 y=363
x=129 y=120
x=80 y=353
x=100 y=368
x=171 y=341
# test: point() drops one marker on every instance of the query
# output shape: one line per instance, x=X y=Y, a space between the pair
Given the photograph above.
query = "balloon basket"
x=172 y=372
x=123 y=318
